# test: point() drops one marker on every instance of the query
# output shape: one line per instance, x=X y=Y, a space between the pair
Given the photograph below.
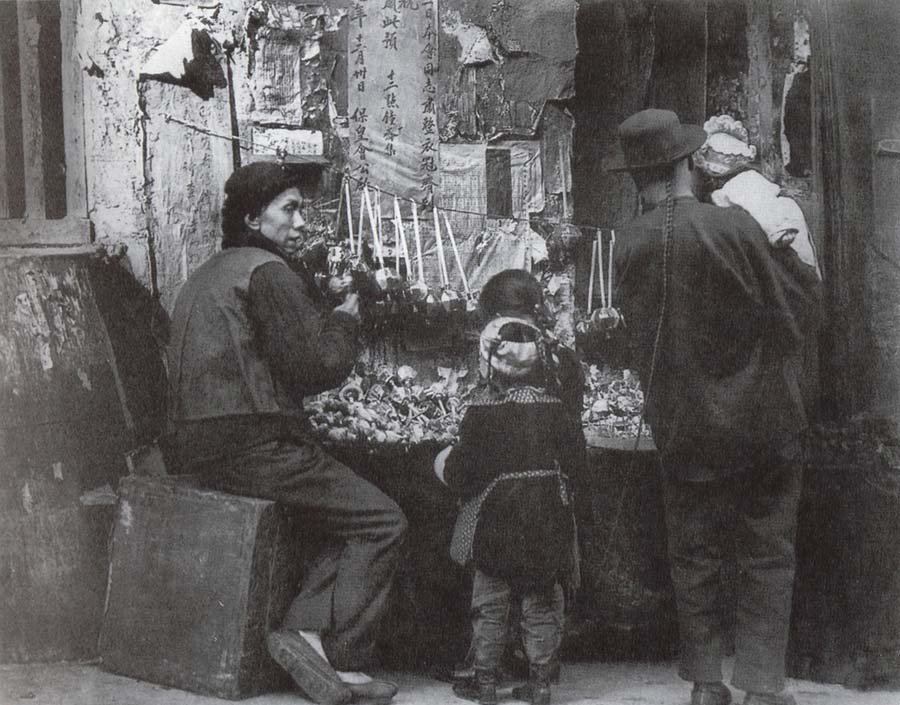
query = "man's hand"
x=350 y=305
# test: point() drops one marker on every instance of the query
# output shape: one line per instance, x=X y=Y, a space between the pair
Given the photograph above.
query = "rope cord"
x=667 y=244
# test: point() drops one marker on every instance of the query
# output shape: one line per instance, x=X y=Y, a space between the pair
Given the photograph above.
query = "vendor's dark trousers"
x=346 y=590
x=753 y=513
x=542 y=621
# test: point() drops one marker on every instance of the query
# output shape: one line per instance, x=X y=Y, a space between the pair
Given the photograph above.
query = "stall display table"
x=624 y=608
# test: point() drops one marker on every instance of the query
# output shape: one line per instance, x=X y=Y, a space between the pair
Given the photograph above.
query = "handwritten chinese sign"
x=393 y=50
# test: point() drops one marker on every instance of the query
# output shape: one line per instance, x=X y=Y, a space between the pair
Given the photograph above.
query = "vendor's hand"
x=350 y=305
x=339 y=285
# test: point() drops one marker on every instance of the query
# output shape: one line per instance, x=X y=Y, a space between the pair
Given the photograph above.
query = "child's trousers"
x=542 y=621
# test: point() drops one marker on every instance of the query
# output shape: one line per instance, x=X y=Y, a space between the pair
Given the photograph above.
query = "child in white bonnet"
x=725 y=158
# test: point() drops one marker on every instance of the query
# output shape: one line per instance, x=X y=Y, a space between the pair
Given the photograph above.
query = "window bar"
x=4 y=170
x=32 y=129
x=73 y=91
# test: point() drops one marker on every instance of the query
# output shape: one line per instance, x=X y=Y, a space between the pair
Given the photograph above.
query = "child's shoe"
x=482 y=689
x=537 y=690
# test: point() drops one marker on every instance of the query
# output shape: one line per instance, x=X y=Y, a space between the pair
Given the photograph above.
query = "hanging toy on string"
x=449 y=299
x=607 y=317
x=434 y=309
x=418 y=290
x=404 y=294
x=469 y=301
x=383 y=276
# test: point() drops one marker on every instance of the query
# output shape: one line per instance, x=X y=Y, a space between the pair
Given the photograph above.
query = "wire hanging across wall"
x=301 y=159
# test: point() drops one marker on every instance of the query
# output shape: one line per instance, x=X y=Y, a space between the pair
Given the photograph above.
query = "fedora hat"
x=655 y=137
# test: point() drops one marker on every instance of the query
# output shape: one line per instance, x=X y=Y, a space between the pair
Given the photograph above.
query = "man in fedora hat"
x=715 y=319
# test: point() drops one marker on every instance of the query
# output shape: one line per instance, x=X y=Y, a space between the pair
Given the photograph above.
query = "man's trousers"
x=345 y=592
x=751 y=515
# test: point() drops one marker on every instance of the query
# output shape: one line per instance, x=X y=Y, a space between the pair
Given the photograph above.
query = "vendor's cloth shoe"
x=715 y=693
x=781 y=698
x=315 y=677
x=481 y=689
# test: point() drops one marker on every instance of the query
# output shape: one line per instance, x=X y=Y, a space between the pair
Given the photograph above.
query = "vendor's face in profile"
x=282 y=220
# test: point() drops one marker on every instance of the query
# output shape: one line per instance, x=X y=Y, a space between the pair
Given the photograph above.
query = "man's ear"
x=252 y=222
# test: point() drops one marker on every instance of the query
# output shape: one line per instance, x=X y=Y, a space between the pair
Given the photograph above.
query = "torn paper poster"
x=271 y=142
x=288 y=81
x=527 y=178
x=392 y=96
x=464 y=185
x=556 y=129
x=475 y=45
x=545 y=29
x=534 y=80
x=504 y=245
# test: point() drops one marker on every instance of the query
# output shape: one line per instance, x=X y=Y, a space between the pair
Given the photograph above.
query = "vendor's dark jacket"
x=725 y=392
x=524 y=530
x=249 y=341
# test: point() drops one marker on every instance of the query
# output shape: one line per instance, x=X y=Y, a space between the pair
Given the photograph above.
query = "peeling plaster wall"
x=155 y=185
x=114 y=39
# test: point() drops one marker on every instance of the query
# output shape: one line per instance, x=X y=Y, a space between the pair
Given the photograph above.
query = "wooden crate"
x=197 y=578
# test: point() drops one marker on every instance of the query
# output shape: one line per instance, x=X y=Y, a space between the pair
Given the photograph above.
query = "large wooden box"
x=197 y=578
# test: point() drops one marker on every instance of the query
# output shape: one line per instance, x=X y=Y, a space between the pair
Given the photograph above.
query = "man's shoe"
x=379 y=692
x=309 y=670
x=715 y=693
x=780 y=698
x=537 y=690
x=482 y=689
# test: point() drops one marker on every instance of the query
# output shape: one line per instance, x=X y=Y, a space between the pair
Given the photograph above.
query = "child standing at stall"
x=513 y=465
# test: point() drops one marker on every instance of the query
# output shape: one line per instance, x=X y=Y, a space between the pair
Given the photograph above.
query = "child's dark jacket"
x=525 y=526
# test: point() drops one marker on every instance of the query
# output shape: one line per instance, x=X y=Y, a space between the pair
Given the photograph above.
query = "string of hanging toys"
x=607 y=317
x=393 y=288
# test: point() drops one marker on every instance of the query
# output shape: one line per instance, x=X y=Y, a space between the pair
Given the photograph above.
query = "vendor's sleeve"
x=308 y=352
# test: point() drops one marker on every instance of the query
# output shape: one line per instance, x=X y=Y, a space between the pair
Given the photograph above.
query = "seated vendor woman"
x=249 y=341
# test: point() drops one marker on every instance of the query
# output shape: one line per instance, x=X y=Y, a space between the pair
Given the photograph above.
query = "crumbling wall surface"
x=113 y=38
x=168 y=89
x=132 y=203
